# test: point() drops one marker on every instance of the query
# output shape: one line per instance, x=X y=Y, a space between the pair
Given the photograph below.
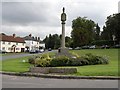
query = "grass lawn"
x=111 y=69
x=15 y=65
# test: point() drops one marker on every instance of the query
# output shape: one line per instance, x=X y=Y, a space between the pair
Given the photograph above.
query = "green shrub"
x=75 y=54
x=88 y=59
x=93 y=59
x=44 y=62
x=46 y=56
x=74 y=62
x=32 y=59
x=59 y=61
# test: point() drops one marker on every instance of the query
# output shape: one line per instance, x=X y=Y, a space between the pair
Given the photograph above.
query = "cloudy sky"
x=42 y=17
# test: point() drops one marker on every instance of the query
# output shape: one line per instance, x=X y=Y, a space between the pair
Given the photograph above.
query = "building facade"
x=11 y=43
x=32 y=43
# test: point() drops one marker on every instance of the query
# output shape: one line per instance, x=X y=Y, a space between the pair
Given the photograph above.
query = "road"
x=5 y=57
x=35 y=82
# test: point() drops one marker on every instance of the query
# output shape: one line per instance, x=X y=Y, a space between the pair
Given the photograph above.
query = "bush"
x=39 y=59
x=93 y=59
x=43 y=61
x=88 y=59
x=31 y=60
x=75 y=54
x=59 y=61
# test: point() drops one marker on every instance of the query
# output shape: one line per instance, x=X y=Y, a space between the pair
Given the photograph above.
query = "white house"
x=42 y=44
x=33 y=43
x=11 y=43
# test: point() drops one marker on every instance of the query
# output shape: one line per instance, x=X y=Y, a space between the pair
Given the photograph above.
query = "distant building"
x=18 y=44
x=33 y=43
x=11 y=43
x=119 y=7
x=42 y=45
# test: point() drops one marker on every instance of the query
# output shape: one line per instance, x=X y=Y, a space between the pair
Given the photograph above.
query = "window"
x=16 y=43
x=17 y=48
x=23 y=44
x=32 y=42
x=3 y=42
x=3 y=48
x=9 y=43
x=9 y=48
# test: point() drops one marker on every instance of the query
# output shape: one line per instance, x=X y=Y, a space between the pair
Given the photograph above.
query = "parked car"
x=26 y=51
x=77 y=48
x=92 y=47
x=37 y=51
x=105 y=46
x=3 y=51
x=70 y=48
x=85 y=47
x=41 y=50
x=116 y=46
x=49 y=49
x=32 y=51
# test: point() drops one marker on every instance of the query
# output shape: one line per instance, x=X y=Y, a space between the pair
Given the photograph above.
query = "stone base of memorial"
x=48 y=70
x=64 y=52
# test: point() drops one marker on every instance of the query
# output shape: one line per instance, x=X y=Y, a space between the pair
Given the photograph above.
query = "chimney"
x=38 y=38
x=14 y=35
x=35 y=38
x=30 y=35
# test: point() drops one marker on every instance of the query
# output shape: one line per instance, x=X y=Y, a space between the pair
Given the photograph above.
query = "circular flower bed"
x=46 y=60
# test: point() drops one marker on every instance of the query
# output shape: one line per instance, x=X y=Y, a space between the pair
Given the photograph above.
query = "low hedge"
x=88 y=59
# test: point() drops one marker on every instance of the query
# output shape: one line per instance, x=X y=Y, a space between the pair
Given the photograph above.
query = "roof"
x=28 y=38
x=11 y=38
x=31 y=38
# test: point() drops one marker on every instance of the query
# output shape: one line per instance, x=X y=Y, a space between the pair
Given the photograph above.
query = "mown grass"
x=111 y=69
x=16 y=65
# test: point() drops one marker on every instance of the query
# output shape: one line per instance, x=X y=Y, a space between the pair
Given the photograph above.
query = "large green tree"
x=83 y=31
x=111 y=28
x=68 y=41
x=53 y=41
x=97 y=32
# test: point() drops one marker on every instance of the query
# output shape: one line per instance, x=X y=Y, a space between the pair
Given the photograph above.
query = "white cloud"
x=42 y=17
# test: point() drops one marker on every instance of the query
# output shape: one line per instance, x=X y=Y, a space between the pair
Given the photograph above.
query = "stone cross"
x=63 y=51
x=63 y=19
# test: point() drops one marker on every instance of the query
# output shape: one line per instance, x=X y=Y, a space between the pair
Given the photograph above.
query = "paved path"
x=20 y=55
x=34 y=82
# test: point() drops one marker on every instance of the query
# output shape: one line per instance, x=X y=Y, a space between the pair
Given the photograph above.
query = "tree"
x=53 y=41
x=97 y=32
x=46 y=42
x=56 y=39
x=68 y=41
x=112 y=28
x=83 y=31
